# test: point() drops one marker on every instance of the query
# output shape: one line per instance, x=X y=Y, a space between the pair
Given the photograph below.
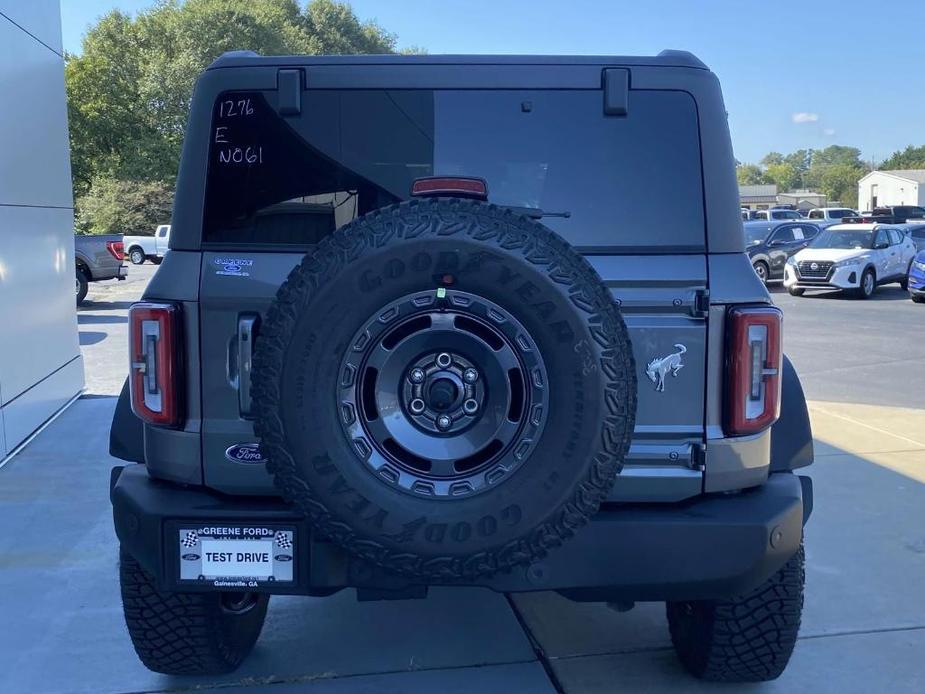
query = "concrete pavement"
x=864 y=622
x=864 y=618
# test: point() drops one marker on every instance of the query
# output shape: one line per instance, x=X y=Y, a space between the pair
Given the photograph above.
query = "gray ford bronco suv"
x=411 y=332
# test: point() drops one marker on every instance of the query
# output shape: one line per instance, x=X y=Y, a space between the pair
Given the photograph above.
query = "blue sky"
x=794 y=74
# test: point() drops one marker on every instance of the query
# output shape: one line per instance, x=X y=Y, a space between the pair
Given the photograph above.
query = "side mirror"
x=881 y=246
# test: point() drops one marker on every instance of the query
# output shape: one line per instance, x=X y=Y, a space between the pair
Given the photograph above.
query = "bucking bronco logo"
x=658 y=369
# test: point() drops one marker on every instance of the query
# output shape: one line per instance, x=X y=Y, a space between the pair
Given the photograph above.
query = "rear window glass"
x=275 y=179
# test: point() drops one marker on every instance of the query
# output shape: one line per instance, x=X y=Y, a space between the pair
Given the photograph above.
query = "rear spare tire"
x=446 y=388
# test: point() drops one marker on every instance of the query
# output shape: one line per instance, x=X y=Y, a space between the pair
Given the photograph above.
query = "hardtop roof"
x=666 y=58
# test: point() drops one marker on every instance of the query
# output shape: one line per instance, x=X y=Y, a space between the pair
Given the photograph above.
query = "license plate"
x=236 y=556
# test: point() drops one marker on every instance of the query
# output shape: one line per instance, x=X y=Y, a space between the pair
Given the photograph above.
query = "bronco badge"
x=659 y=368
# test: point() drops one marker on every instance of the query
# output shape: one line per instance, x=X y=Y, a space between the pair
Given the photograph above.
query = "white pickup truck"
x=138 y=249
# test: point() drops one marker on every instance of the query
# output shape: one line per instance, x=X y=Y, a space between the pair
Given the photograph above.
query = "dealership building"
x=41 y=369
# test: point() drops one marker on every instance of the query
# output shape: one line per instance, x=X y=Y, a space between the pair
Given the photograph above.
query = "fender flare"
x=791 y=434
x=127 y=433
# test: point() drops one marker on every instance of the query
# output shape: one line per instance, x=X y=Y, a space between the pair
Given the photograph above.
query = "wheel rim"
x=868 y=283
x=137 y=257
x=77 y=284
x=443 y=395
x=761 y=272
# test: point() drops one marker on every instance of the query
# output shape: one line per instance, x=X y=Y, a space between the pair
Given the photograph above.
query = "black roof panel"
x=667 y=58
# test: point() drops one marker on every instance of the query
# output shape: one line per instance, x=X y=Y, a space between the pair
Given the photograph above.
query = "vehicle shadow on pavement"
x=90 y=337
x=91 y=305
x=59 y=563
x=90 y=319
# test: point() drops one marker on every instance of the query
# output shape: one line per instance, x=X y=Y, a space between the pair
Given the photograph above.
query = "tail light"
x=753 y=362
x=116 y=250
x=154 y=362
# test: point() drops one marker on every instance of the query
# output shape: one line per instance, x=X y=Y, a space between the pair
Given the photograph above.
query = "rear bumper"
x=709 y=547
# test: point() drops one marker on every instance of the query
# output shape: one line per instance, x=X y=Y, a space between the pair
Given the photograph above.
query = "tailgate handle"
x=244 y=342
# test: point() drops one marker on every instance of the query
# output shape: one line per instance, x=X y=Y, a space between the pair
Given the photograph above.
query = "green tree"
x=836 y=154
x=749 y=174
x=839 y=182
x=909 y=158
x=129 y=91
x=121 y=206
x=772 y=158
x=834 y=171
x=782 y=174
x=800 y=160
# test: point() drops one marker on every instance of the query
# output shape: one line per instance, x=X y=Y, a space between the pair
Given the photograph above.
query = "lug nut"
x=444 y=422
x=470 y=375
x=444 y=360
x=416 y=376
x=417 y=406
x=470 y=406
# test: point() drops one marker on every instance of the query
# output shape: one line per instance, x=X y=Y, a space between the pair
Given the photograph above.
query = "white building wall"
x=40 y=364
x=890 y=190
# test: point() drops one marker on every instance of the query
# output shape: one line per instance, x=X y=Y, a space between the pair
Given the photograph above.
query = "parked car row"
x=775 y=213
x=854 y=256
x=823 y=216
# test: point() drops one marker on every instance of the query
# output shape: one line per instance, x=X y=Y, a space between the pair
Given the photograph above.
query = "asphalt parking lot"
x=864 y=621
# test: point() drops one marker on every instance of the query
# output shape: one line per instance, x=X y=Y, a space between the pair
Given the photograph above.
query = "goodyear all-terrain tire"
x=745 y=639
x=188 y=633
x=446 y=388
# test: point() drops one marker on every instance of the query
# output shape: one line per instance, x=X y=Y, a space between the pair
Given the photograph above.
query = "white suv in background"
x=827 y=216
x=854 y=257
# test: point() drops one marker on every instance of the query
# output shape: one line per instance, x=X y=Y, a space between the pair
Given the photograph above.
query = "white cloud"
x=803 y=117
x=828 y=132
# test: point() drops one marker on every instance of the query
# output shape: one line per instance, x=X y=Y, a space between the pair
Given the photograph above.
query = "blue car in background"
x=917 y=278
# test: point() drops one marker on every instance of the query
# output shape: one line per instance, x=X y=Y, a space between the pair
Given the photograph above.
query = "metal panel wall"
x=41 y=18
x=40 y=365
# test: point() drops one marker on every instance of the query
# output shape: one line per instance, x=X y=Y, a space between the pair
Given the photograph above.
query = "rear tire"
x=188 y=633
x=918 y=298
x=82 y=285
x=744 y=639
x=795 y=291
x=137 y=256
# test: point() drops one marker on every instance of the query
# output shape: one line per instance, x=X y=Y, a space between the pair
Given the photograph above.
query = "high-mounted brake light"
x=753 y=363
x=450 y=186
x=116 y=250
x=154 y=362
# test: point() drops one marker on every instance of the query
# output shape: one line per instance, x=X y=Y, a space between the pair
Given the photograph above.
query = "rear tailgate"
x=285 y=168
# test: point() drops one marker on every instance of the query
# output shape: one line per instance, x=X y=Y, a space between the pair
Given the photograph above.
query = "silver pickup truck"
x=97 y=257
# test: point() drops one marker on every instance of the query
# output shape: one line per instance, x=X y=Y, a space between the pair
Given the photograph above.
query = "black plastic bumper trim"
x=709 y=547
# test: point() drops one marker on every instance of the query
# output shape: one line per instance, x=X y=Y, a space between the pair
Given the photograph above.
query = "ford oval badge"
x=247 y=453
